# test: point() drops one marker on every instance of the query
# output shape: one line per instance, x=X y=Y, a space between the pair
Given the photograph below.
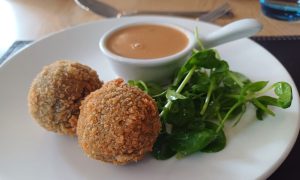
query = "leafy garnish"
x=204 y=95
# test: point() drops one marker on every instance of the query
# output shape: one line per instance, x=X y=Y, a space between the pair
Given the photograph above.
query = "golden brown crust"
x=56 y=93
x=118 y=123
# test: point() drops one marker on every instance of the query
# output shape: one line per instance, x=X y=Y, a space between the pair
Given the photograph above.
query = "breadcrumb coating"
x=118 y=123
x=56 y=93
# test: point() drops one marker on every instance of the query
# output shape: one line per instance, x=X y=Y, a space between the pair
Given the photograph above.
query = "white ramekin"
x=159 y=70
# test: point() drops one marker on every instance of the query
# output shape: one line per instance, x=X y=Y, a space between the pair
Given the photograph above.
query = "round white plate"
x=254 y=150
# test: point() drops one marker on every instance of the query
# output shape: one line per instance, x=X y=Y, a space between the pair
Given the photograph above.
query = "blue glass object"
x=287 y=10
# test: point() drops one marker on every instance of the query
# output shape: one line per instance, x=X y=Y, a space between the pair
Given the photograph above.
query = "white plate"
x=255 y=148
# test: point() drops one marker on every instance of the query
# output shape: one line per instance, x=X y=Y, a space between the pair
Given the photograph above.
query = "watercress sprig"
x=204 y=95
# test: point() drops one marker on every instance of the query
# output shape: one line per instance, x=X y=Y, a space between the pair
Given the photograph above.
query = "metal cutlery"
x=216 y=13
x=106 y=10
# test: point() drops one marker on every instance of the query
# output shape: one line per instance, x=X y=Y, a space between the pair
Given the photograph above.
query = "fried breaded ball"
x=118 y=123
x=55 y=95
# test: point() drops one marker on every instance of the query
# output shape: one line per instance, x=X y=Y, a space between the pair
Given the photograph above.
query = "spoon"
x=106 y=10
x=233 y=31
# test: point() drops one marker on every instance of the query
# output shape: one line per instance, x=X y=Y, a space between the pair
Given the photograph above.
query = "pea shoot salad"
x=204 y=95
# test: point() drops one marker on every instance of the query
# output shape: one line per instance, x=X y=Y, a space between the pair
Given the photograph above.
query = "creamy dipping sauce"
x=147 y=41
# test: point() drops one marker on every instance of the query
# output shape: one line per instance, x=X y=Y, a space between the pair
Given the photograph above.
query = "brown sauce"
x=146 y=41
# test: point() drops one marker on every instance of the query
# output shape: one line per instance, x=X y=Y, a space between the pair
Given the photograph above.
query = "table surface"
x=34 y=19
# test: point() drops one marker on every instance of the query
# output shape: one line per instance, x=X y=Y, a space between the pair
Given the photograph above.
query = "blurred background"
x=32 y=19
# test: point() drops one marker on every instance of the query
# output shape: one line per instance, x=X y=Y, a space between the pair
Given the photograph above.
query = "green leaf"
x=241 y=112
x=187 y=143
x=217 y=74
x=235 y=80
x=139 y=84
x=218 y=143
x=199 y=83
x=209 y=93
x=154 y=89
x=284 y=91
x=161 y=148
x=160 y=101
x=173 y=95
x=225 y=103
x=260 y=114
x=267 y=100
x=261 y=106
x=195 y=126
x=150 y=88
x=181 y=112
x=255 y=86
x=202 y=59
x=222 y=67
